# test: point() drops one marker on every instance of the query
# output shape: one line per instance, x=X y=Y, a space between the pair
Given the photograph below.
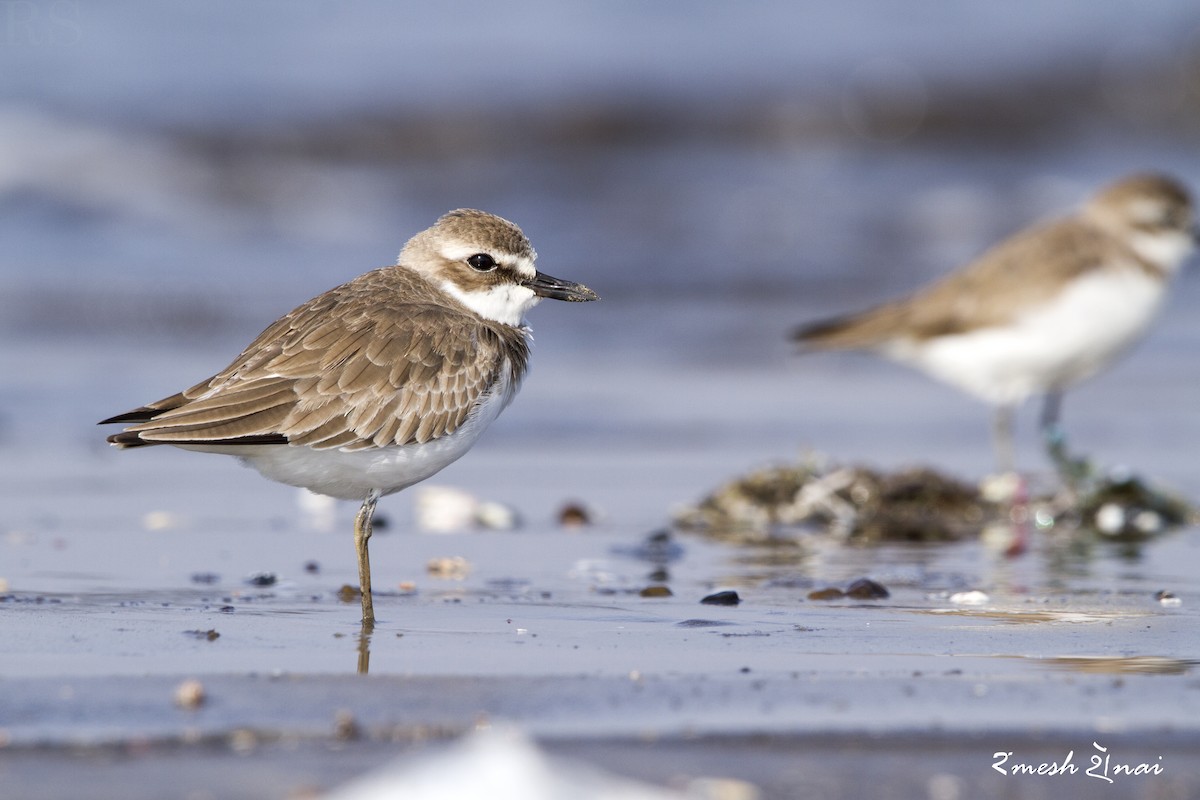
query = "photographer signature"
x=1101 y=766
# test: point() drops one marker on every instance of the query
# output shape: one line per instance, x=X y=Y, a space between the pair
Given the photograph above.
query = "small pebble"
x=312 y=567
x=497 y=517
x=574 y=515
x=348 y=593
x=832 y=593
x=866 y=589
x=262 y=579
x=656 y=591
x=1148 y=522
x=1110 y=519
x=727 y=598
x=345 y=727
x=189 y=694
x=971 y=598
x=207 y=578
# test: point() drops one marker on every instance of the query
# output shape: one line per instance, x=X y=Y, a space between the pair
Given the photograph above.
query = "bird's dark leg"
x=1073 y=470
x=362 y=533
x=1002 y=435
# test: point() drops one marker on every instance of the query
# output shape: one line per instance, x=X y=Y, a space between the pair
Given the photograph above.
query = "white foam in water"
x=499 y=765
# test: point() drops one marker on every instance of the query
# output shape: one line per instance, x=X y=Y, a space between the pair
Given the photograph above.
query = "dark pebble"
x=207 y=578
x=866 y=589
x=262 y=579
x=574 y=515
x=380 y=522
x=312 y=567
x=655 y=591
x=722 y=599
x=832 y=593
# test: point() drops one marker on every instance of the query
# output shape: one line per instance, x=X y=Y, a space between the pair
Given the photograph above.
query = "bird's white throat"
x=507 y=303
x=1166 y=250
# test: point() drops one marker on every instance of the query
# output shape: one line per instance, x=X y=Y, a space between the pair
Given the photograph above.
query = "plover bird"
x=379 y=383
x=1040 y=311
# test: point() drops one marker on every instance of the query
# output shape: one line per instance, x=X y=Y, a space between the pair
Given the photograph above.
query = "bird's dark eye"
x=482 y=262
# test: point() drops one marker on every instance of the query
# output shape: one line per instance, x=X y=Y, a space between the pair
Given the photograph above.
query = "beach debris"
x=1122 y=507
x=786 y=504
x=446 y=509
x=494 y=516
x=209 y=635
x=861 y=589
x=574 y=515
x=726 y=598
x=345 y=726
x=1168 y=599
x=867 y=589
x=867 y=505
x=450 y=568
x=656 y=591
x=190 y=694
x=973 y=597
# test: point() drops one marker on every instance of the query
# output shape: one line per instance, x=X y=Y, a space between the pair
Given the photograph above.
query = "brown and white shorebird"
x=379 y=383
x=1039 y=312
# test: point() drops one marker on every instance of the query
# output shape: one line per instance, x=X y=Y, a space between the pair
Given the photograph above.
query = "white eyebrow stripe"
x=523 y=264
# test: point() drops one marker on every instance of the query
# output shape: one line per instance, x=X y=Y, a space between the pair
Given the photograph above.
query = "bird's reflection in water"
x=364 y=646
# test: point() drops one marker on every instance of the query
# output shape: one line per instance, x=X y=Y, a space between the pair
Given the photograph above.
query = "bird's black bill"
x=544 y=285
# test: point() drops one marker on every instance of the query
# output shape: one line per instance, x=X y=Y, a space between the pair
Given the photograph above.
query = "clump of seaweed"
x=855 y=503
x=863 y=505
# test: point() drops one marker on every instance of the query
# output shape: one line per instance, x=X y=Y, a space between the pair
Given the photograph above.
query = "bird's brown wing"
x=379 y=361
x=1017 y=274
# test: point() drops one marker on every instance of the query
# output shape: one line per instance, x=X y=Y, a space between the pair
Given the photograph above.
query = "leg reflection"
x=364 y=646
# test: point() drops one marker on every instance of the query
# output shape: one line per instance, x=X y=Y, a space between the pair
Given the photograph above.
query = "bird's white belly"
x=1049 y=347
x=352 y=474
